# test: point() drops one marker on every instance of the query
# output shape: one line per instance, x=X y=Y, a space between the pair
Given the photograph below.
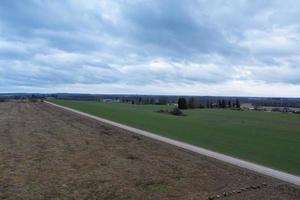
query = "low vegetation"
x=48 y=153
x=271 y=139
x=175 y=111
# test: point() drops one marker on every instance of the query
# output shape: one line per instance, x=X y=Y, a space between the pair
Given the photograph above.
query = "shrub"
x=176 y=111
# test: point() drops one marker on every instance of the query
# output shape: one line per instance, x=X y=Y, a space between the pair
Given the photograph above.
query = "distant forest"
x=192 y=101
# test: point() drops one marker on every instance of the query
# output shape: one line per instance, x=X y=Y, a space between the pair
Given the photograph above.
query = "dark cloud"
x=171 y=28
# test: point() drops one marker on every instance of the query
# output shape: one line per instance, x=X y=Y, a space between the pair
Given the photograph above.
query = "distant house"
x=247 y=106
x=111 y=100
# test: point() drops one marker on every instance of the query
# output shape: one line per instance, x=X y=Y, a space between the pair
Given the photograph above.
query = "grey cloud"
x=46 y=43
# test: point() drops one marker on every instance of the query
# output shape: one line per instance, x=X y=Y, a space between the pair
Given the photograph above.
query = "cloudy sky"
x=194 y=47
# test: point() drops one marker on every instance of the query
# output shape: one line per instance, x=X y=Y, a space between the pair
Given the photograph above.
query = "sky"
x=178 y=47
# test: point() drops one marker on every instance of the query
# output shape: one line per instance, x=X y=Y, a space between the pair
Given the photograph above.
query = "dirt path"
x=49 y=153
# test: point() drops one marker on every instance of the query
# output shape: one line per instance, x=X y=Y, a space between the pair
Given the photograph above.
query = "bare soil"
x=50 y=153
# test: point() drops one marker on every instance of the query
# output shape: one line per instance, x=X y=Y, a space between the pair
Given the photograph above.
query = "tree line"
x=222 y=103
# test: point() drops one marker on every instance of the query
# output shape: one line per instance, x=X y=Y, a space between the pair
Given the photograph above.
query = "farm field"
x=50 y=153
x=270 y=139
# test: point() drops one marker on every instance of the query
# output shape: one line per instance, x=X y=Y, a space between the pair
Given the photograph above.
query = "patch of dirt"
x=49 y=153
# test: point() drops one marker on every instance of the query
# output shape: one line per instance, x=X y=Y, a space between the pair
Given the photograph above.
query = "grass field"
x=270 y=139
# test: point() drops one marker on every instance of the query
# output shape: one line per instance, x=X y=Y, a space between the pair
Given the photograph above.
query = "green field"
x=270 y=139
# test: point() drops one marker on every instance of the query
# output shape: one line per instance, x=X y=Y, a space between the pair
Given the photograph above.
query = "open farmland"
x=271 y=139
x=50 y=153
